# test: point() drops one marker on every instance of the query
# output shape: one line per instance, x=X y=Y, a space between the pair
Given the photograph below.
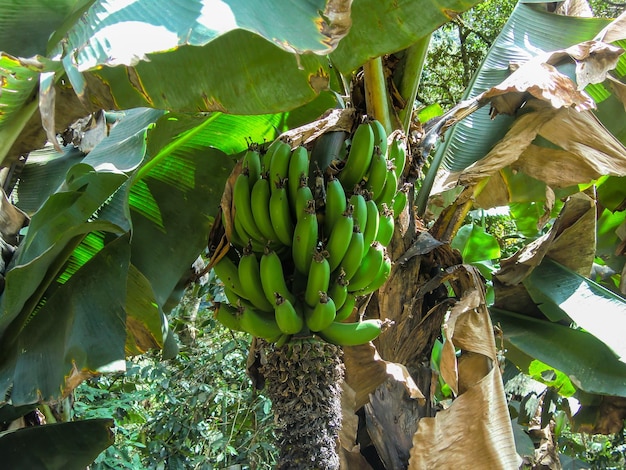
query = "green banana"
x=377 y=175
x=233 y=299
x=351 y=334
x=336 y=204
x=338 y=289
x=260 y=204
x=369 y=268
x=385 y=226
x=227 y=315
x=397 y=154
x=305 y=238
x=400 y=200
x=389 y=190
x=298 y=169
x=359 y=211
x=380 y=136
x=243 y=207
x=279 y=165
x=372 y=225
x=258 y=324
x=322 y=314
x=273 y=277
x=354 y=255
x=379 y=280
x=339 y=239
x=303 y=196
x=280 y=342
x=280 y=214
x=359 y=156
x=288 y=318
x=250 y=280
x=347 y=308
x=318 y=279
x=266 y=157
x=252 y=163
x=242 y=238
x=227 y=272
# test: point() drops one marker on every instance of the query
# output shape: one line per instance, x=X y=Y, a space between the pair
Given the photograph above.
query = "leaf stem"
x=376 y=97
x=415 y=57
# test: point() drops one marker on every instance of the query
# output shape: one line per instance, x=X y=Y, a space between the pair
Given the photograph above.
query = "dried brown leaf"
x=575 y=226
x=588 y=151
x=615 y=31
x=366 y=370
x=593 y=61
x=477 y=424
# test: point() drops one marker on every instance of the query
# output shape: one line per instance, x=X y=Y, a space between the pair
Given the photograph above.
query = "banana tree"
x=104 y=235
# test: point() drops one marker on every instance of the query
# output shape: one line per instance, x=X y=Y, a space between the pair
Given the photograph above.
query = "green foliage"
x=195 y=411
x=456 y=50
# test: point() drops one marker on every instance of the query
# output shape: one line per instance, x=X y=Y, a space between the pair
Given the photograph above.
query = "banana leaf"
x=563 y=294
x=588 y=362
x=529 y=31
x=61 y=446
x=382 y=27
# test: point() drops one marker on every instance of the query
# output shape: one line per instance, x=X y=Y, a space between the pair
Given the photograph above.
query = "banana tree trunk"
x=303 y=380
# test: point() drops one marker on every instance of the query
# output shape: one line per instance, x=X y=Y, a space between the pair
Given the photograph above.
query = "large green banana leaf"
x=562 y=294
x=139 y=208
x=588 y=362
x=235 y=56
x=61 y=446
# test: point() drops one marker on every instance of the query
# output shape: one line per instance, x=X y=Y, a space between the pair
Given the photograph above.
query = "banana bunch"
x=303 y=252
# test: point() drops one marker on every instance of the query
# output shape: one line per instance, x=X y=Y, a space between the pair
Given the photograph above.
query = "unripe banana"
x=233 y=299
x=377 y=175
x=243 y=208
x=385 y=226
x=351 y=334
x=241 y=237
x=389 y=191
x=227 y=315
x=303 y=196
x=369 y=268
x=359 y=211
x=226 y=271
x=322 y=314
x=258 y=324
x=282 y=340
x=372 y=225
x=338 y=289
x=397 y=154
x=250 y=280
x=252 y=163
x=318 y=279
x=260 y=203
x=339 y=239
x=273 y=277
x=347 y=308
x=305 y=238
x=359 y=156
x=266 y=157
x=288 y=318
x=379 y=280
x=380 y=136
x=400 y=200
x=354 y=255
x=279 y=165
x=298 y=169
x=336 y=204
x=280 y=214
